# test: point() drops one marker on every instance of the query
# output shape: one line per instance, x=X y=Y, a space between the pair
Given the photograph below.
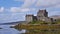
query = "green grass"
x=38 y=22
x=58 y=21
x=40 y=29
x=43 y=32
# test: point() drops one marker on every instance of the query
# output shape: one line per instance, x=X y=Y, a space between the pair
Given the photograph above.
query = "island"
x=40 y=24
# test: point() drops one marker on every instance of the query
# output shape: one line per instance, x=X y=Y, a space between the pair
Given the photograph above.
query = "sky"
x=15 y=10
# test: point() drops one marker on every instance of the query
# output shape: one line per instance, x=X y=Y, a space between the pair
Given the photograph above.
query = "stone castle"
x=41 y=15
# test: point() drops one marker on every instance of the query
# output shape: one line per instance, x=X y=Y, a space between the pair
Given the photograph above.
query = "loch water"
x=7 y=30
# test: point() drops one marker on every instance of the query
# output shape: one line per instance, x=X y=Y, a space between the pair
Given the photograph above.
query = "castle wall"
x=41 y=15
x=46 y=19
x=29 y=18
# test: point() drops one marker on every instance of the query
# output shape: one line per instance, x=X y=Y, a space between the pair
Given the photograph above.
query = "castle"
x=41 y=15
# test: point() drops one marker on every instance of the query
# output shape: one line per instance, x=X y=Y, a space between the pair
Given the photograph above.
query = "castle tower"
x=29 y=18
x=42 y=14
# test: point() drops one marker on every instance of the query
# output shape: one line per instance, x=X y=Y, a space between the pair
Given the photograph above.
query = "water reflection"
x=7 y=30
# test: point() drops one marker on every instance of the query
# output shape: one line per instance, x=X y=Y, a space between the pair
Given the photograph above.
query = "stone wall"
x=29 y=18
x=41 y=15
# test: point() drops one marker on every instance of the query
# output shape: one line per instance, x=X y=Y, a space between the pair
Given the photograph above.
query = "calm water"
x=7 y=30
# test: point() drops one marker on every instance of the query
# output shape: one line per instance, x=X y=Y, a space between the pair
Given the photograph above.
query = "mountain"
x=55 y=16
x=11 y=23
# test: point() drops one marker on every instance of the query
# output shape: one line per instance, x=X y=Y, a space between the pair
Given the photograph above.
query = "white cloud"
x=54 y=13
x=28 y=3
x=46 y=2
x=14 y=9
x=18 y=0
x=39 y=3
x=1 y=9
x=18 y=9
x=57 y=6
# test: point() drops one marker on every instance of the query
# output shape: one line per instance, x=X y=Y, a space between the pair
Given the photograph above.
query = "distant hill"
x=55 y=16
x=11 y=23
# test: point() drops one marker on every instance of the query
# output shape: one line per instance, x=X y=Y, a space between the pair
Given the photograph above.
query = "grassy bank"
x=40 y=27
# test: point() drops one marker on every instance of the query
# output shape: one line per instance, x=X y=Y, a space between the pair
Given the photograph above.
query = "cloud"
x=46 y=2
x=28 y=3
x=13 y=17
x=40 y=3
x=57 y=6
x=26 y=6
x=54 y=13
x=18 y=9
x=1 y=9
x=18 y=0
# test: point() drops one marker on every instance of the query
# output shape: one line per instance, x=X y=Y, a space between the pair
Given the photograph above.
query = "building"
x=29 y=18
x=41 y=15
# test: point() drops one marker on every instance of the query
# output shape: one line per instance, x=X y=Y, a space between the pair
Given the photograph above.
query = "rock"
x=0 y=28
x=11 y=26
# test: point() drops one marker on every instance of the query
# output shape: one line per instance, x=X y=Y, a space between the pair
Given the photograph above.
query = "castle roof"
x=30 y=15
x=42 y=11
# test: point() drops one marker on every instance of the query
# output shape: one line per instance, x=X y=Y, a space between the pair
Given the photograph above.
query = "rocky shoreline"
x=0 y=28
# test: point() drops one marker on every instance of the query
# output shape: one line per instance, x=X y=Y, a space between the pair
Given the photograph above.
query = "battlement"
x=29 y=15
x=42 y=11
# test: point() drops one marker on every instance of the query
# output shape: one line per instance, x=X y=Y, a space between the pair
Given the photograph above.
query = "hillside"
x=55 y=16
